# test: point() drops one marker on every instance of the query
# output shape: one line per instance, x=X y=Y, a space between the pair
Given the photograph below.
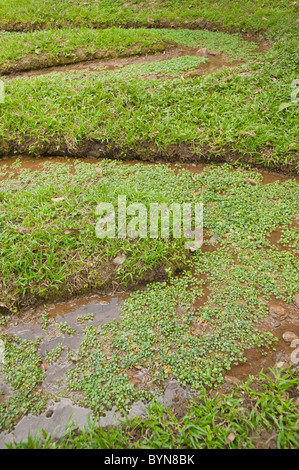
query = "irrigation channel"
x=282 y=320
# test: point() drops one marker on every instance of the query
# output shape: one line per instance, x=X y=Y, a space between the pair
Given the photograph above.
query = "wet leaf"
x=69 y=231
x=57 y=199
x=23 y=230
x=251 y=181
x=231 y=437
x=119 y=259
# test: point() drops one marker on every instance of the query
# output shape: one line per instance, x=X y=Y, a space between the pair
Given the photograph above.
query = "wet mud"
x=61 y=412
x=20 y=162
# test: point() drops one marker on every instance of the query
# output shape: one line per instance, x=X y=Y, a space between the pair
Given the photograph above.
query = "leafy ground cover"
x=40 y=259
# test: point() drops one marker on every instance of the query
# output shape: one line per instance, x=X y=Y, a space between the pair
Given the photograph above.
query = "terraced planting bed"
x=155 y=104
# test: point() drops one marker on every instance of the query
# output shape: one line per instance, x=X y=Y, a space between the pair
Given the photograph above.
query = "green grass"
x=54 y=47
x=226 y=111
x=173 y=68
x=239 y=111
x=245 y=15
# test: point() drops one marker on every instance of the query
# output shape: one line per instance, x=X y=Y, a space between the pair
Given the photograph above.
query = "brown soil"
x=36 y=164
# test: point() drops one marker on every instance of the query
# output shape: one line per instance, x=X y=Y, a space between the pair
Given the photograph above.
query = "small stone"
x=214 y=53
x=214 y=238
x=203 y=51
x=2 y=351
x=119 y=260
x=3 y=308
x=289 y=336
x=251 y=181
x=49 y=413
x=296 y=300
x=231 y=379
x=277 y=311
x=280 y=364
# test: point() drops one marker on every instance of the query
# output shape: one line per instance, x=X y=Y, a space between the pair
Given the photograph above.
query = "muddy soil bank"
x=44 y=61
x=193 y=24
x=148 y=151
x=36 y=164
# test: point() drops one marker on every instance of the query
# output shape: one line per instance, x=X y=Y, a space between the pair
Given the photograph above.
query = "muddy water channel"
x=52 y=335
x=60 y=326
x=216 y=61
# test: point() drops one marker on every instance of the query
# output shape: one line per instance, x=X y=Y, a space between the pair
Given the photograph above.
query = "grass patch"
x=172 y=67
x=248 y=15
x=25 y=51
x=236 y=110
x=21 y=51
x=236 y=114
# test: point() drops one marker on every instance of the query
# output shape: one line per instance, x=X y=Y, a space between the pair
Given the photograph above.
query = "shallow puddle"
x=282 y=318
x=283 y=322
x=46 y=323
